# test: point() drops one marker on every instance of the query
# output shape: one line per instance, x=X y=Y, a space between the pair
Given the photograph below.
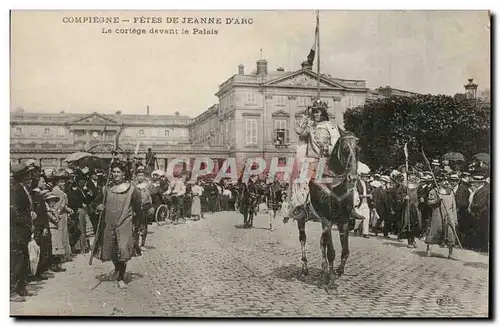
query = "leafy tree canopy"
x=438 y=123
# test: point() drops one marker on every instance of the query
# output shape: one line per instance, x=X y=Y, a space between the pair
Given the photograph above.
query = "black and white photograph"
x=250 y=163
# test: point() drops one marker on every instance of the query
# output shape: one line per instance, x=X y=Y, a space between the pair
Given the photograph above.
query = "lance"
x=439 y=197
x=407 y=222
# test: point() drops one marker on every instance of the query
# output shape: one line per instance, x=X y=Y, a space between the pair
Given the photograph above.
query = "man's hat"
x=158 y=172
x=21 y=169
x=60 y=174
x=385 y=179
x=478 y=178
x=435 y=162
x=454 y=176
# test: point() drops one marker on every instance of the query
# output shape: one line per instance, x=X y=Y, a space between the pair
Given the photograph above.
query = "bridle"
x=351 y=154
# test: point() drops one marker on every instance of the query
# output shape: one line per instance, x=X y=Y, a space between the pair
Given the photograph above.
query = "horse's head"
x=344 y=157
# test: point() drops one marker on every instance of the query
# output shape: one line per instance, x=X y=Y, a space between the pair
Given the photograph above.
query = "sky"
x=58 y=66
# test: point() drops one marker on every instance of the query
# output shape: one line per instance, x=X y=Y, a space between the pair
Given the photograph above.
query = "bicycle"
x=162 y=214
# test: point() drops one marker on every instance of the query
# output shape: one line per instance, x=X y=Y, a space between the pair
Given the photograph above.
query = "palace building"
x=254 y=117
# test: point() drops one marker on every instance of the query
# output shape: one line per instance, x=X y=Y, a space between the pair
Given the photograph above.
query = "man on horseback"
x=319 y=136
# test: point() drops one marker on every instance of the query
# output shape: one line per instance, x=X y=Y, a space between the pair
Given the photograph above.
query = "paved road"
x=214 y=268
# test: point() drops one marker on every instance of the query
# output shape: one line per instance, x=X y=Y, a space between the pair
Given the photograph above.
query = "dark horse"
x=335 y=207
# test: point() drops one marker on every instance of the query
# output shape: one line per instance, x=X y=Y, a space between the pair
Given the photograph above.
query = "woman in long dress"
x=443 y=219
x=196 y=204
x=64 y=211
x=121 y=212
x=53 y=212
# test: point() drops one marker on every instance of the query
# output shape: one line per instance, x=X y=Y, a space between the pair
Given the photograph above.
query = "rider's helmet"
x=322 y=106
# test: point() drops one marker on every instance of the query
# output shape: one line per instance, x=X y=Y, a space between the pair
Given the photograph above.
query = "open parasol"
x=363 y=168
x=77 y=156
x=484 y=157
x=453 y=156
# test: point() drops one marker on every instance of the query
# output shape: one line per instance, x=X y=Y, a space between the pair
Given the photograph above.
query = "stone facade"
x=255 y=117
x=50 y=138
x=257 y=112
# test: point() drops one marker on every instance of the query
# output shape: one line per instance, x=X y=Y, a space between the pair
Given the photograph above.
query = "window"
x=280 y=101
x=141 y=132
x=251 y=98
x=19 y=130
x=281 y=132
x=46 y=131
x=61 y=131
x=33 y=130
x=349 y=102
x=226 y=131
x=251 y=131
x=232 y=104
x=303 y=101
x=184 y=134
x=167 y=132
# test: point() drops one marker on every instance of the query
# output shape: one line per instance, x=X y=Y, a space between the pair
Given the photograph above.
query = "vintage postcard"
x=312 y=163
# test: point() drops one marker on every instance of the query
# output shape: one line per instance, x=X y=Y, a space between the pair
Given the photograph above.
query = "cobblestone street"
x=215 y=268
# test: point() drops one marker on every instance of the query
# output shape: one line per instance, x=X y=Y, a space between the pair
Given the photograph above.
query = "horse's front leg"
x=344 y=241
x=330 y=255
x=323 y=245
x=245 y=217
x=301 y=224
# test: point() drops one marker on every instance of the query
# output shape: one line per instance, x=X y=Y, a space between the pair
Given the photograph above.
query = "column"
x=88 y=138
x=72 y=136
x=166 y=164
x=40 y=160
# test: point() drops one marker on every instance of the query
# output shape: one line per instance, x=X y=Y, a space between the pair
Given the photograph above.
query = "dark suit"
x=464 y=217
x=76 y=199
x=41 y=223
x=480 y=210
x=92 y=195
x=381 y=204
x=20 y=236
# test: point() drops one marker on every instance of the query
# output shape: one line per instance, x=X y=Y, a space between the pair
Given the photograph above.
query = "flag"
x=116 y=139
x=312 y=53
x=406 y=151
x=103 y=134
x=137 y=148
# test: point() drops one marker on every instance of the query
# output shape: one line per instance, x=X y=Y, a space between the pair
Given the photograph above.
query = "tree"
x=438 y=123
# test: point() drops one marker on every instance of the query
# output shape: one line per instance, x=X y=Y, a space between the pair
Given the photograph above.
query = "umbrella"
x=363 y=168
x=77 y=156
x=484 y=157
x=453 y=156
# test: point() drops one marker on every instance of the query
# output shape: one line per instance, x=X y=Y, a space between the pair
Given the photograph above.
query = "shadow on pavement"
x=433 y=254
x=293 y=273
x=396 y=244
x=480 y=265
x=108 y=277
x=131 y=276
x=34 y=288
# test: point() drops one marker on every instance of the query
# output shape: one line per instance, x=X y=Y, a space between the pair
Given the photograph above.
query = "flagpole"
x=317 y=23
